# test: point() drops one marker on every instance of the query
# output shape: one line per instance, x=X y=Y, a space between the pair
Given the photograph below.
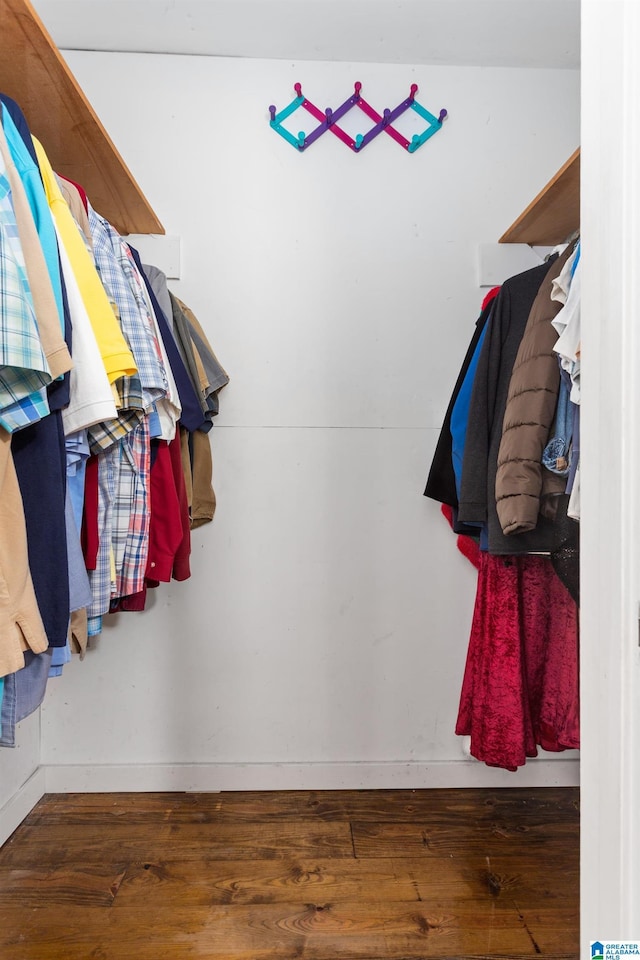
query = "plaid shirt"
x=24 y=370
x=132 y=399
x=123 y=520
x=131 y=514
x=103 y=435
x=23 y=412
x=120 y=284
x=100 y=578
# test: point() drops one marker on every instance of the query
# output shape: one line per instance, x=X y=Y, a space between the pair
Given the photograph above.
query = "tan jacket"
x=21 y=626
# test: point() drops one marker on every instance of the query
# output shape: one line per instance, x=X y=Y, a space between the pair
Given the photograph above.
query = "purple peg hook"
x=329 y=115
x=443 y=114
x=272 y=111
x=386 y=114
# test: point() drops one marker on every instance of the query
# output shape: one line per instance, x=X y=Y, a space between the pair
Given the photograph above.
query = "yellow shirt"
x=116 y=356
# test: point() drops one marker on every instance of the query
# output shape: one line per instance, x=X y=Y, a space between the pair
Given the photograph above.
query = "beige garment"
x=78 y=632
x=78 y=212
x=203 y=379
x=44 y=301
x=21 y=626
x=186 y=465
x=197 y=461
x=203 y=506
x=197 y=467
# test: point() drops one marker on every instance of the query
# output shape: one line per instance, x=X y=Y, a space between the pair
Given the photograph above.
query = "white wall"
x=328 y=615
x=610 y=569
x=20 y=783
x=506 y=33
x=20 y=762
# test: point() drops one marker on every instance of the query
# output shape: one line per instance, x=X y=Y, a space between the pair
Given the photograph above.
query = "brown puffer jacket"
x=522 y=483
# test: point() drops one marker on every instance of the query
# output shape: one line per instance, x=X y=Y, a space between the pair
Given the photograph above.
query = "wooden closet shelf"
x=554 y=214
x=33 y=73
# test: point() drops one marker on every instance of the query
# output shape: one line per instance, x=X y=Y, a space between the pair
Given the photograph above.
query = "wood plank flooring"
x=317 y=875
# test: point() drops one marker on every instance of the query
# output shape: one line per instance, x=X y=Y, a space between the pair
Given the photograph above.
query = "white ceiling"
x=528 y=33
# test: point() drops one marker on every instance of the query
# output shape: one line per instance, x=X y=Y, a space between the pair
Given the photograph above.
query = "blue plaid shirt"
x=121 y=286
x=24 y=371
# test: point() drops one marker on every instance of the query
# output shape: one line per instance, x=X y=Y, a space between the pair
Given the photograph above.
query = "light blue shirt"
x=32 y=182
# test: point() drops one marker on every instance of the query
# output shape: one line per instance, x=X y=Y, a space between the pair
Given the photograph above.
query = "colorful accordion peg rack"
x=329 y=120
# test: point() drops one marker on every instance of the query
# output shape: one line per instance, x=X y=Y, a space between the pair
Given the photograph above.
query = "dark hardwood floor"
x=317 y=875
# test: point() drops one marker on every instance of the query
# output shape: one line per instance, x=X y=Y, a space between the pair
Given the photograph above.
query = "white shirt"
x=567 y=290
x=91 y=397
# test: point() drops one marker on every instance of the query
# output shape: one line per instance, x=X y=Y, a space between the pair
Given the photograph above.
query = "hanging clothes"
x=441 y=482
x=520 y=686
x=488 y=401
x=523 y=486
x=96 y=395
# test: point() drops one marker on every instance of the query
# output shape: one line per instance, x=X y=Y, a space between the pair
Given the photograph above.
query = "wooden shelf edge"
x=34 y=73
x=554 y=214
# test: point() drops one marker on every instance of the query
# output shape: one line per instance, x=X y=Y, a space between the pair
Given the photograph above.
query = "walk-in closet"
x=291 y=680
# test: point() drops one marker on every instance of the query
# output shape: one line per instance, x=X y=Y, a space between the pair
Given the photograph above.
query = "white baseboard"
x=83 y=778
x=21 y=804
x=112 y=778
